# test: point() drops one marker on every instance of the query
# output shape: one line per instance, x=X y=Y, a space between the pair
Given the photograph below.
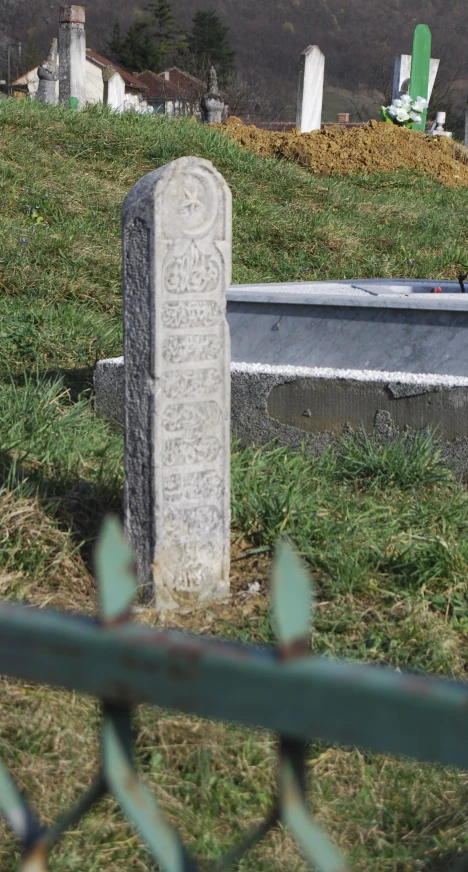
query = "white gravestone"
x=176 y=231
x=402 y=74
x=310 y=90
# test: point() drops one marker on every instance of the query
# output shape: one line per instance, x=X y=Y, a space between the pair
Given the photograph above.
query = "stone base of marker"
x=176 y=232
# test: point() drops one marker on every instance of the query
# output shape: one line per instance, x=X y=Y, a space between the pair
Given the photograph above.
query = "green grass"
x=396 y=554
x=382 y=528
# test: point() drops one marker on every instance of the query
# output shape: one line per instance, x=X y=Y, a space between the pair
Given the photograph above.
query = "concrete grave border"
x=267 y=400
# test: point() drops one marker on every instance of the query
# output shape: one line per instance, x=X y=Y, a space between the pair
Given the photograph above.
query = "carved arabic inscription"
x=193 y=360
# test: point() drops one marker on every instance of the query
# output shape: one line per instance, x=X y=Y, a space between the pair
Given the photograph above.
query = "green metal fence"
x=286 y=690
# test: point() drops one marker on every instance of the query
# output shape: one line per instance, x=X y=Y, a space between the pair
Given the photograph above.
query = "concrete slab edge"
x=252 y=386
x=292 y=372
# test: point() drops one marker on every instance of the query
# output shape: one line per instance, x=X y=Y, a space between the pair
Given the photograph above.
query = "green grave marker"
x=420 y=65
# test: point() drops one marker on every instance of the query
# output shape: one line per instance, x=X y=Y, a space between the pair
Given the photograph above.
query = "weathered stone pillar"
x=310 y=90
x=72 y=55
x=212 y=104
x=114 y=89
x=176 y=234
x=48 y=75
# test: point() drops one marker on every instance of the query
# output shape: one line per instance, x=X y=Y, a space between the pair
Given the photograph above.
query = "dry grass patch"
x=46 y=567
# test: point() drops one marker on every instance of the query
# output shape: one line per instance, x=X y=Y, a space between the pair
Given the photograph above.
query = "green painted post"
x=420 y=65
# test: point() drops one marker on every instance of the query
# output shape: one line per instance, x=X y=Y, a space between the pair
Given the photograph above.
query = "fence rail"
x=285 y=690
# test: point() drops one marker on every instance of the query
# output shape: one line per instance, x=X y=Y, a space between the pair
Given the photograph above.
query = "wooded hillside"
x=358 y=37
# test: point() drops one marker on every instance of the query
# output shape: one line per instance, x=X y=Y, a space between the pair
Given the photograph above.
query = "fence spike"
x=320 y=852
x=138 y=804
x=113 y=562
x=292 y=601
x=16 y=809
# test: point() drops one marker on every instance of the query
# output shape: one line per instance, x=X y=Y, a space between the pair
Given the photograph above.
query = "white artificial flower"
x=402 y=115
x=397 y=103
x=419 y=105
x=415 y=117
x=406 y=100
x=391 y=110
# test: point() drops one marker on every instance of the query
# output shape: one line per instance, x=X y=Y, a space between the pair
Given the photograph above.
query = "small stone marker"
x=72 y=55
x=48 y=74
x=176 y=232
x=420 y=64
x=433 y=67
x=402 y=73
x=310 y=90
x=211 y=103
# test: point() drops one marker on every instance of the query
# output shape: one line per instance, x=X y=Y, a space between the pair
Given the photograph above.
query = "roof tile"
x=158 y=88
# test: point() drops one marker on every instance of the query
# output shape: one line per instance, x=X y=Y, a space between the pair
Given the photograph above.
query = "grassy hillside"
x=64 y=177
x=383 y=530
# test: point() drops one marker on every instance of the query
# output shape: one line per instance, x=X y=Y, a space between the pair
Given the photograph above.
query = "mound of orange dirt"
x=374 y=147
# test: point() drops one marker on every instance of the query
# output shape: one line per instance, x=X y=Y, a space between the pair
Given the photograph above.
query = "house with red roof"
x=173 y=92
x=164 y=97
x=95 y=63
x=184 y=82
x=135 y=91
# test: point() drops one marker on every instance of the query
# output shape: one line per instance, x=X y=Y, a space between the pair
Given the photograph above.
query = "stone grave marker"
x=47 y=72
x=310 y=90
x=176 y=232
x=211 y=104
x=402 y=74
x=72 y=55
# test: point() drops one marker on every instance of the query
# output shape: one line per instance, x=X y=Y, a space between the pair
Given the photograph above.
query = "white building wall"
x=119 y=100
x=94 y=83
x=116 y=93
x=31 y=80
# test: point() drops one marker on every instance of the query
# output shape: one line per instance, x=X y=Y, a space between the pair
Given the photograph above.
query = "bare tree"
x=251 y=98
